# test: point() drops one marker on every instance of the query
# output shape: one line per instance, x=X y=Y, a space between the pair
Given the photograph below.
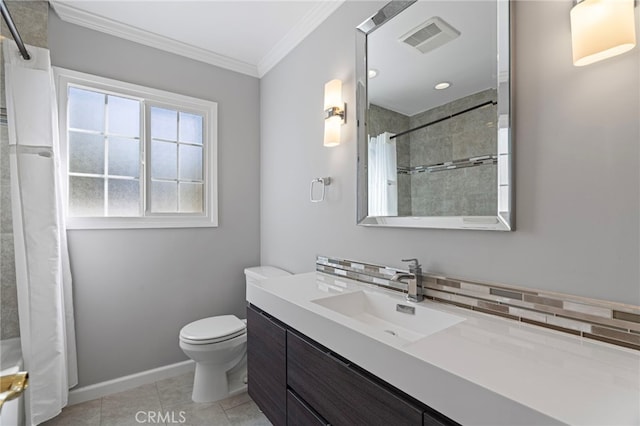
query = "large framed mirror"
x=433 y=107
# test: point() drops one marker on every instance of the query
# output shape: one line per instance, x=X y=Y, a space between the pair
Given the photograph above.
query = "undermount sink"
x=378 y=313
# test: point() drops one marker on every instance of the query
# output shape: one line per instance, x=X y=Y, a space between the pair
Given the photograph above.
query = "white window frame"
x=152 y=97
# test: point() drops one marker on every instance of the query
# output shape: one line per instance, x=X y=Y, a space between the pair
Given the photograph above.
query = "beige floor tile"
x=165 y=402
x=142 y=395
x=175 y=390
x=234 y=401
x=132 y=407
x=199 y=414
x=84 y=414
x=247 y=414
x=133 y=416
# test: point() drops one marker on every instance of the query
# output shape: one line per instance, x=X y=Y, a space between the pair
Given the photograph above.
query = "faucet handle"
x=413 y=263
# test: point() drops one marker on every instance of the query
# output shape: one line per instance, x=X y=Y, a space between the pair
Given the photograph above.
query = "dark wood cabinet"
x=431 y=418
x=297 y=382
x=300 y=414
x=267 y=365
x=341 y=394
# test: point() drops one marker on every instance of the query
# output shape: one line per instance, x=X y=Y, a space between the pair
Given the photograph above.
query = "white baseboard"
x=98 y=390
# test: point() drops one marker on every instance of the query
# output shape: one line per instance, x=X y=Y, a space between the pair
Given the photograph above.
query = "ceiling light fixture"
x=442 y=85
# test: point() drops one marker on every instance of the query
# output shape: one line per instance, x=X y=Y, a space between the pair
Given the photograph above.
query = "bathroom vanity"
x=328 y=350
x=297 y=381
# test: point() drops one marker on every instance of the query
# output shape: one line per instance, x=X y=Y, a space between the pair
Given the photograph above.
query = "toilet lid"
x=213 y=328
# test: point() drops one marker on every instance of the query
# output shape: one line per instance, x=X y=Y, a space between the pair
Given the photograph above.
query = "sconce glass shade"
x=333 y=94
x=601 y=29
x=332 y=128
x=334 y=112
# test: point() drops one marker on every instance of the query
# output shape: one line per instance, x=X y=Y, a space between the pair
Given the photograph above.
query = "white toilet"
x=218 y=345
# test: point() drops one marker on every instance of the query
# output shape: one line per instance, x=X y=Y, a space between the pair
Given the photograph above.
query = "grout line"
x=100 y=415
x=155 y=385
x=162 y=409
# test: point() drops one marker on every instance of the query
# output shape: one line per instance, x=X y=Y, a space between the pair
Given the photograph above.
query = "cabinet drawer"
x=339 y=393
x=436 y=419
x=267 y=365
x=300 y=414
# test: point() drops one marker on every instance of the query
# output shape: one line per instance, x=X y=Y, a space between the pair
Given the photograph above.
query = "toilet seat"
x=212 y=330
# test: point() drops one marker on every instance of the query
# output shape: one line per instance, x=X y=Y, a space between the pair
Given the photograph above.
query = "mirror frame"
x=504 y=218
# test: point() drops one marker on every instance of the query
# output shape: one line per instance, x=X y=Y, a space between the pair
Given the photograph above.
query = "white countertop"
x=482 y=370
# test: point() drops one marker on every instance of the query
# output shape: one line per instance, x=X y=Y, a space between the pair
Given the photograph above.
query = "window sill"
x=140 y=222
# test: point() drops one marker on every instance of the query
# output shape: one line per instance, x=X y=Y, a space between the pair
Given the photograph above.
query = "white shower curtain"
x=383 y=176
x=42 y=263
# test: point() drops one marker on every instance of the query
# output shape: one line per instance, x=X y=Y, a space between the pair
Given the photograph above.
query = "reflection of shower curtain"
x=42 y=264
x=383 y=176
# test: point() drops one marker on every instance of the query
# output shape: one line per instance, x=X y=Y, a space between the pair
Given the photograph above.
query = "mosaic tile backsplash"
x=610 y=322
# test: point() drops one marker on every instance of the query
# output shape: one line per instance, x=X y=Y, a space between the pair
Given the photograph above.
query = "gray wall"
x=135 y=289
x=576 y=133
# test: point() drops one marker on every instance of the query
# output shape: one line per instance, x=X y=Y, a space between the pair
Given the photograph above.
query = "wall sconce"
x=601 y=29
x=334 y=112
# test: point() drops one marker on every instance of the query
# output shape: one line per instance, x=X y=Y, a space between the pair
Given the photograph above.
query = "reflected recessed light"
x=443 y=85
x=373 y=73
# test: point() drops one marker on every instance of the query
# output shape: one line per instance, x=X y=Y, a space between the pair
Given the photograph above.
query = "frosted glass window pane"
x=190 y=162
x=164 y=124
x=86 y=110
x=164 y=160
x=124 y=116
x=191 y=197
x=124 y=157
x=164 y=197
x=124 y=197
x=86 y=196
x=86 y=153
x=190 y=128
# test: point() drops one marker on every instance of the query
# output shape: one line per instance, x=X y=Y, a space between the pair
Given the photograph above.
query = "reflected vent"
x=430 y=35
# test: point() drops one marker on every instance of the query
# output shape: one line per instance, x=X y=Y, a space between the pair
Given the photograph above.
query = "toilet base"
x=210 y=386
x=237 y=381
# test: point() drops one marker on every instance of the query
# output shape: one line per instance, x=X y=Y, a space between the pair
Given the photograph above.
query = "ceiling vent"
x=430 y=35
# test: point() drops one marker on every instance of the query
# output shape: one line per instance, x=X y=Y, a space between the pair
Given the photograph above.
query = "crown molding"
x=89 y=20
x=299 y=32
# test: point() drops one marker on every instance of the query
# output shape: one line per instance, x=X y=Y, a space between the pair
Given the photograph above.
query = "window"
x=135 y=156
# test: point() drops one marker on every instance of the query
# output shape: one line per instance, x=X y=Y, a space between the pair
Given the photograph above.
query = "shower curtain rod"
x=14 y=31
x=442 y=119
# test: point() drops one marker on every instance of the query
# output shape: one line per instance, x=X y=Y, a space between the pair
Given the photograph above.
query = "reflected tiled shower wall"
x=30 y=17
x=472 y=134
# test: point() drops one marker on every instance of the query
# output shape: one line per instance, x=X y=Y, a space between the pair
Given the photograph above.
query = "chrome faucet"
x=413 y=280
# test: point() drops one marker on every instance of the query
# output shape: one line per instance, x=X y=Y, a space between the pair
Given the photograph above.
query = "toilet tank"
x=259 y=273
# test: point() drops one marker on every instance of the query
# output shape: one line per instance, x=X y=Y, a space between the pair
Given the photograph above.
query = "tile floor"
x=165 y=402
